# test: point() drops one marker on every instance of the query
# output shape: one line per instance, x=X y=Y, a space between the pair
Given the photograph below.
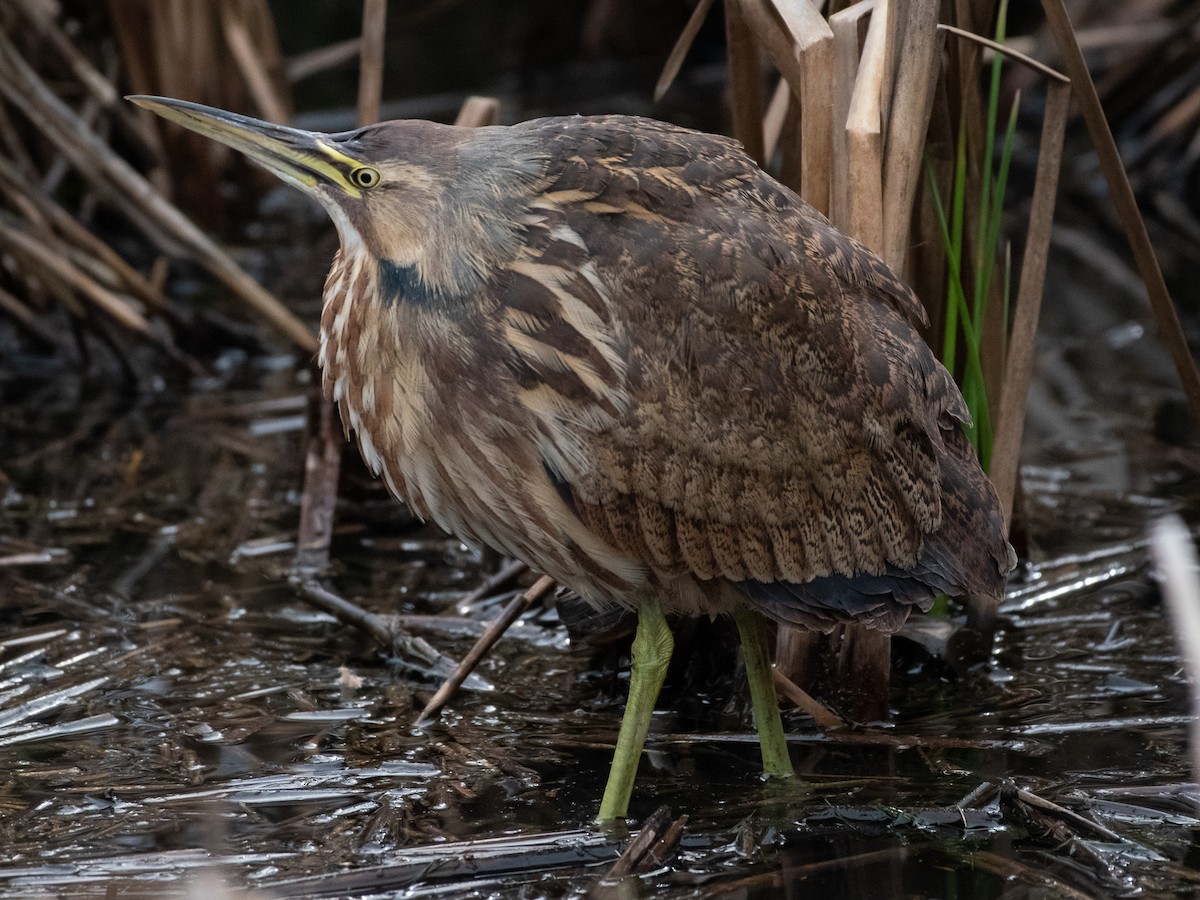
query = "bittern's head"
x=400 y=191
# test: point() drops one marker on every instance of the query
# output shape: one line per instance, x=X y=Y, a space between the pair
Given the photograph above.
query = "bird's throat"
x=403 y=283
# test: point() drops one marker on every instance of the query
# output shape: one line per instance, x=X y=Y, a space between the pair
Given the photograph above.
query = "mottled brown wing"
x=742 y=392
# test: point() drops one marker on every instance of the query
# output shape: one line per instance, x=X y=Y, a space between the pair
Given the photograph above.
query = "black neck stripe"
x=402 y=284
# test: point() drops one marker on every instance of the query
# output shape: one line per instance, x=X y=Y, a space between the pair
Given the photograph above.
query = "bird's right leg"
x=652 y=648
x=771 y=741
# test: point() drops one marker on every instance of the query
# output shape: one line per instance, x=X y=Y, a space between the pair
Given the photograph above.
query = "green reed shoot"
x=965 y=308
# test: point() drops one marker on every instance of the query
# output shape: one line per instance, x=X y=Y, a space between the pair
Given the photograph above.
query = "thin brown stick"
x=490 y=585
x=93 y=80
x=370 y=73
x=1077 y=822
x=680 y=50
x=89 y=77
x=344 y=610
x=73 y=230
x=513 y=611
x=1006 y=50
x=1014 y=393
x=776 y=117
x=1122 y=195
x=27 y=318
x=826 y=719
x=304 y=65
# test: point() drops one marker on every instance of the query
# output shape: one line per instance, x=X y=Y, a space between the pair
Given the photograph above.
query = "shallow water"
x=173 y=716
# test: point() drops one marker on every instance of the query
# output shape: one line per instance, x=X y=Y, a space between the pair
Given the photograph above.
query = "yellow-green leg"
x=652 y=647
x=776 y=761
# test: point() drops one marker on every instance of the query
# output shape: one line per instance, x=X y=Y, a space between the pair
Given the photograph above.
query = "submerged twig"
x=826 y=719
x=1075 y=821
x=490 y=585
x=655 y=843
x=344 y=610
x=791 y=875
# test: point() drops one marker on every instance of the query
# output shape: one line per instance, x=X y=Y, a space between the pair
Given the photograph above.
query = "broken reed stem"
x=916 y=75
x=1018 y=373
x=847 y=26
x=864 y=164
x=370 y=73
x=1122 y=196
x=810 y=40
x=322 y=466
x=745 y=100
x=655 y=843
x=323 y=451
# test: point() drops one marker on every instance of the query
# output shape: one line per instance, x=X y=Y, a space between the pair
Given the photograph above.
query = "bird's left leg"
x=652 y=648
x=776 y=760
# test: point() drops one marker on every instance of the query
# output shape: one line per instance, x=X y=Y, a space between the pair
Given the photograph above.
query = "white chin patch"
x=349 y=235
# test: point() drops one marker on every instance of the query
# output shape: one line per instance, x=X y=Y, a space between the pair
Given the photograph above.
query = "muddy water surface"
x=173 y=717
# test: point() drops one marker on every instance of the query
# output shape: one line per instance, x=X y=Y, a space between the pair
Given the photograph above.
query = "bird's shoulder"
x=637 y=142
x=638 y=190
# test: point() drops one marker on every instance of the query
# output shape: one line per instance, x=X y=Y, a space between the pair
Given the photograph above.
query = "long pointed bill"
x=305 y=159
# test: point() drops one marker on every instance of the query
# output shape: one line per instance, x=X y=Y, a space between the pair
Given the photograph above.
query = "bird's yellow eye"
x=365 y=177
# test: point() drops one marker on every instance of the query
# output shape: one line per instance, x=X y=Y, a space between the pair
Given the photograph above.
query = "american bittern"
x=617 y=350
